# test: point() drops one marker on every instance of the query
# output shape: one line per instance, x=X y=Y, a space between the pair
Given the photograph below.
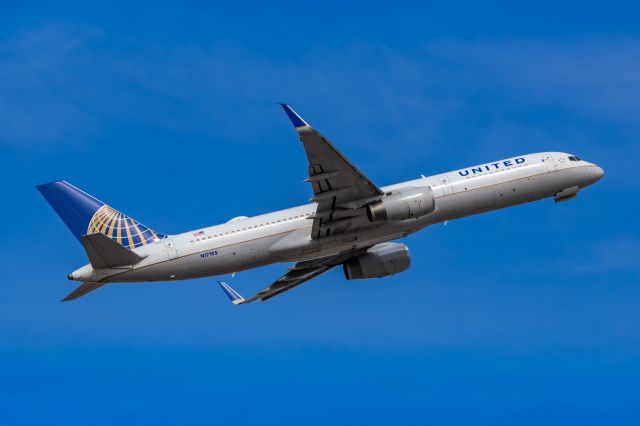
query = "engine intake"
x=409 y=203
x=379 y=261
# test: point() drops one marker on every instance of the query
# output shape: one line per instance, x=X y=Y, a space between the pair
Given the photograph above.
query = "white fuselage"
x=285 y=235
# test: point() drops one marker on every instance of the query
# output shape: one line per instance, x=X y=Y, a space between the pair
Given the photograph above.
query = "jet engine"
x=379 y=261
x=407 y=203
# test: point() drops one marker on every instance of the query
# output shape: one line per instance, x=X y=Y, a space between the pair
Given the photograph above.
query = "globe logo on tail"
x=121 y=228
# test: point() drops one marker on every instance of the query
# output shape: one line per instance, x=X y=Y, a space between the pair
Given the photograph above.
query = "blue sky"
x=169 y=112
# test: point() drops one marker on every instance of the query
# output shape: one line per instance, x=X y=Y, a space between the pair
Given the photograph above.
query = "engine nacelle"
x=379 y=261
x=408 y=203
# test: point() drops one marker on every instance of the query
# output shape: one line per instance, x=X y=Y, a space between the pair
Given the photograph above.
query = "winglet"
x=236 y=299
x=296 y=120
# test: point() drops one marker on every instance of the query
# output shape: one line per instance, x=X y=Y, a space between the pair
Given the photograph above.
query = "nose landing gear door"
x=170 y=248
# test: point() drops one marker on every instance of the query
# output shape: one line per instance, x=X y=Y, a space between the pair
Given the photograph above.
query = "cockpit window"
x=574 y=158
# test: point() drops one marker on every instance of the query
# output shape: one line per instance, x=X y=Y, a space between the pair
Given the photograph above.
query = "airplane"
x=349 y=221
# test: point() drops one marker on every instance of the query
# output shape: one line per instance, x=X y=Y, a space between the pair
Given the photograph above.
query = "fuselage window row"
x=197 y=240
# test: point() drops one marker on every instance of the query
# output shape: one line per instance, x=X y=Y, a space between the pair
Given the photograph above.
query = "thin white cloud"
x=462 y=99
x=597 y=78
x=38 y=101
x=619 y=253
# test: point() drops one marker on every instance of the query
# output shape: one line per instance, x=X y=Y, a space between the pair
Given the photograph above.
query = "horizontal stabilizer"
x=82 y=290
x=103 y=252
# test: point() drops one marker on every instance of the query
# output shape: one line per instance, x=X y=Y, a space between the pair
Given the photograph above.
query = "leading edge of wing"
x=291 y=279
x=300 y=273
x=330 y=171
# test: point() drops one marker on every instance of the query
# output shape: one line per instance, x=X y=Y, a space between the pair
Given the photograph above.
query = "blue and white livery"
x=349 y=222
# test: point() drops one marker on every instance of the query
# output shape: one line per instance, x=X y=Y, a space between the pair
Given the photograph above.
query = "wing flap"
x=336 y=182
x=329 y=169
x=300 y=273
x=289 y=284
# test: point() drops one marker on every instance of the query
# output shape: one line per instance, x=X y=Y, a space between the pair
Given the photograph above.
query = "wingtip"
x=296 y=120
x=233 y=295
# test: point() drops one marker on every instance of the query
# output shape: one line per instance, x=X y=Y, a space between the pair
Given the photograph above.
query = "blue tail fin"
x=84 y=214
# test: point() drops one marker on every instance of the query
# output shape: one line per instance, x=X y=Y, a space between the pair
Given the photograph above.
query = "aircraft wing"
x=339 y=187
x=300 y=273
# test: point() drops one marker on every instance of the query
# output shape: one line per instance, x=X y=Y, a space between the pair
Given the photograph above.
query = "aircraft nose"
x=592 y=174
x=597 y=172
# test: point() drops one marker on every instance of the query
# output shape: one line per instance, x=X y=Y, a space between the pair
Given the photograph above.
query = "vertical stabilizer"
x=84 y=214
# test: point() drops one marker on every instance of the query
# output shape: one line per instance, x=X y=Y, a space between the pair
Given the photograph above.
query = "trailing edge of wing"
x=290 y=280
x=335 y=180
x=300 y=273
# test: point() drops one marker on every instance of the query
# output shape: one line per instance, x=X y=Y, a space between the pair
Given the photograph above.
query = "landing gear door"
x=445 y=184
x=170 y=248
